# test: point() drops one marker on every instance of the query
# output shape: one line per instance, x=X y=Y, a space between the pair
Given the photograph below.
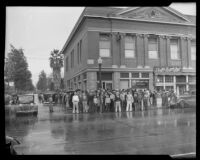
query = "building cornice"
x=139 y=20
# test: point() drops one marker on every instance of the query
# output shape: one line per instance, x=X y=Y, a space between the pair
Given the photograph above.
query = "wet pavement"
x=156 y=131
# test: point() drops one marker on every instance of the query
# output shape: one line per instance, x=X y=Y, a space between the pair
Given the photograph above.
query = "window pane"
x=104 y=44
x=193 y=52
x=104 y=37
x=192 y=78
x=174 y=51
x=168 y=79
x=124 y=75
x=174 y=41
x=180 y=79
x=152 y=47
x=153 y=54
x=159 y=79
x=145 y=75
x=135 y=75
x=104 y=52
x=129 y=54
x=129 y=39
x=129 y=46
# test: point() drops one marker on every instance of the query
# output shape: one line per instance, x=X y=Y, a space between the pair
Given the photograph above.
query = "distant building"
x=141 y=47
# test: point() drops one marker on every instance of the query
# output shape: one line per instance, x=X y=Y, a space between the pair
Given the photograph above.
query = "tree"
x=56 y=63
x=42 y=82
x=16 y=70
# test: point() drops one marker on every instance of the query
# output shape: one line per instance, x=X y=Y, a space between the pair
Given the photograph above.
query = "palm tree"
x=56 y=63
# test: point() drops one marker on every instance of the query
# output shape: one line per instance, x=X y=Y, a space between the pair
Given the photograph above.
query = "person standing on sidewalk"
x=129 y=100
x=85 y=105
x=135 y=97
x=117 y=103
x=75 y=101
x=51 y=104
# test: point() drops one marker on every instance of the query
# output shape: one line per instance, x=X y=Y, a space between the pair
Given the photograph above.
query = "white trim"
x=132 y=19
x=128 y=10
x=178 y=14
x=184 y=154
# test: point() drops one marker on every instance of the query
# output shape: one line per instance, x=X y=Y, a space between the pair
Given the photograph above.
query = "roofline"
x=82 y=17
x=73 y=30
x=178 y=13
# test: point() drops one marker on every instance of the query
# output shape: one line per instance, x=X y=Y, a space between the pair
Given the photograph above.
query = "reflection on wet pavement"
x=158 y=131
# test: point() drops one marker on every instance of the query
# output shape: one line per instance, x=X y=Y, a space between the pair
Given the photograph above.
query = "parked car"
x=22 y=105
x=188 y=99
x=26 y=105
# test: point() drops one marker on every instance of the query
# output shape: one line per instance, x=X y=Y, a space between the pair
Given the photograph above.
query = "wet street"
x=156 y=131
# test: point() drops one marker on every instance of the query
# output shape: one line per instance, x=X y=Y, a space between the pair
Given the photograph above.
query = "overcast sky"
x=39 y=30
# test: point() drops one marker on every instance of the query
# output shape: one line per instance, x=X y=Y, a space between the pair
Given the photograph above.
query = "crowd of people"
x=111 y=100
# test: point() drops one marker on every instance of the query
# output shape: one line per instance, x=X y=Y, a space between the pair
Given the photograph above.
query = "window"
x=135 y=75
x=174 y=50
x=124 y=75
x=106 y=76
x=104 y=46
x=159 y=79
x=169 y=79
x=181 y=79
x=145 y=75
x=78 y=53
x=72 y=59
x=153 y=48
x=193 y=50
x=84 y=75
x=192 y=78
x=66 y=64
x=129 y=47
x=80 y=50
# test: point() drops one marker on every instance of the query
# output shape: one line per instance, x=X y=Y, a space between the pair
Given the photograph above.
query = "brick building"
x=141 y=47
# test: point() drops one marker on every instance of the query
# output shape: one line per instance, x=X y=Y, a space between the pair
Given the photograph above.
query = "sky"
x=39 y=30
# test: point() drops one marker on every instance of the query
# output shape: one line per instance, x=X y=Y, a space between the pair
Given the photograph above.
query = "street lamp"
x=100 y=63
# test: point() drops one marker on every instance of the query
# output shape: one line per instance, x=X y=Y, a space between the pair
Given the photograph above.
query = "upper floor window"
x=193 y=50
x=80 y=50
x=72 y=58
x=129 y=47
x=153 y=48
x=66 y=64
x=104 y=45
x=174 y=49
x=78 y=53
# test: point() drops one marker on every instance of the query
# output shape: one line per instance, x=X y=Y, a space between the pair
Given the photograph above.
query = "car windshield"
x=26 y=99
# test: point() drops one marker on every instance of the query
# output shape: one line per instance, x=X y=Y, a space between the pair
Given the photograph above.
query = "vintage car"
x=188 y=99
x=46 y=96
x=24 y=105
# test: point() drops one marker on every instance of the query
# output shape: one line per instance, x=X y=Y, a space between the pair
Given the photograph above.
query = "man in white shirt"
x=129 y=100
x=75 y=100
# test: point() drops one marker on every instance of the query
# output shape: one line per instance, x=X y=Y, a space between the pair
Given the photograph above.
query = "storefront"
x=106 y=80
x=167 y=78
x=134 y=80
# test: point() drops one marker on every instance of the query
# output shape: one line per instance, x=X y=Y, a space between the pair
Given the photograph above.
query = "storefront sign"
x=167 y=69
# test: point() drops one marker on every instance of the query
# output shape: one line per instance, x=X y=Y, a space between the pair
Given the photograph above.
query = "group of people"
x=111 y=100
x=118 y=100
